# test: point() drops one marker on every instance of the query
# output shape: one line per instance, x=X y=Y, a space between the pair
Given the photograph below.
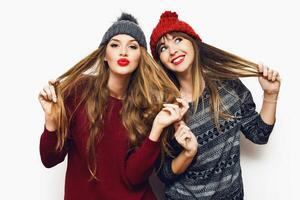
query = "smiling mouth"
x=178 y=60
x=123 y=62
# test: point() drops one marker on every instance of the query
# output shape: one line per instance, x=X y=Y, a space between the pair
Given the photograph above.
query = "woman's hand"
x=186 y=139
x=47 y=98
x=269 y=81
x=171 y=113
x=168 y=115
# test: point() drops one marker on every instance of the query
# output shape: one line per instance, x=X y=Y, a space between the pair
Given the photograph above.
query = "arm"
x=141 y=162
x=258 y=127
x=252 y=125
x=165 y=171
x=49 y=155
x=188 y=142
x=270 y=83
x=185 y=146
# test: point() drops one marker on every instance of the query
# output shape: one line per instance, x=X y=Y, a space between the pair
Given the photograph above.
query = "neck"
x=117 y=85
x=186 y=84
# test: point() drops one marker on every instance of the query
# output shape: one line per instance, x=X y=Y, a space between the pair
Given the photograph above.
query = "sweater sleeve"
x=165 y=172
x=49 y=155
x=140 y=163
x=252 y=125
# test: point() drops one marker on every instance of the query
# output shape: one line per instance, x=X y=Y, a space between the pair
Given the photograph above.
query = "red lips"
x=123 y=62
x=178 y=59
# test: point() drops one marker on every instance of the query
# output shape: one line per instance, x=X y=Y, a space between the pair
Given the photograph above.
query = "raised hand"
x=169 y=114
x=186 y=139
x=47 y=98
x=270 y=79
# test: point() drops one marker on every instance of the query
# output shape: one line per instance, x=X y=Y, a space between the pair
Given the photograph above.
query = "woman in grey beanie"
x=108 y=114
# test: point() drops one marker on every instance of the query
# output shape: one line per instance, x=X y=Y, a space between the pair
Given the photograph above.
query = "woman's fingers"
x=265 y=71
x=274 y=75
x=185 y=105
x=169 y=110
x=178 y=123
x=48 y=92
x=180 y=110
x=53 y=93
x=179 y=131
x=52 y=82
x=46 y=89
x=174 y=108
x=260 y=67
x=268 y=73
x=182 y=130
x=43 y=95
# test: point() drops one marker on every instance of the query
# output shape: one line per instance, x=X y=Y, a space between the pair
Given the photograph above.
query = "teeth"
x=177 y=59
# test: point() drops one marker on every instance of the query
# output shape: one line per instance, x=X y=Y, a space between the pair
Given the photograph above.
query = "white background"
x=42 y=39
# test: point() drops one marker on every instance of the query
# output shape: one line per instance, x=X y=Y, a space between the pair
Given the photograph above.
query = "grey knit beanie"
x=126 y=24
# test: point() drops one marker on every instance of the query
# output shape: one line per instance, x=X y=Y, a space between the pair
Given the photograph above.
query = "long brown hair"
x=144 y=99
x=212 y=65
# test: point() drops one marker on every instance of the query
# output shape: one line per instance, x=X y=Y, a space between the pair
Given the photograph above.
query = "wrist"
x=270 y=97
x=50 y=124
x=271 y=94
x=155 y=132
x=50 y=127
x=190 y=154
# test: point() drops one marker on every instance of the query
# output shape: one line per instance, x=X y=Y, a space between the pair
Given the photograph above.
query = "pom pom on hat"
x=128 y=17
x=169 y=14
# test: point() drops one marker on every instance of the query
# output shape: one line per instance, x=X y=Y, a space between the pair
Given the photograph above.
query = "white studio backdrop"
x=42 y=39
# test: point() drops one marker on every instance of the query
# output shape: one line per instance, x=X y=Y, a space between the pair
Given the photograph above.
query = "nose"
x=123 y=51
x=172 y=50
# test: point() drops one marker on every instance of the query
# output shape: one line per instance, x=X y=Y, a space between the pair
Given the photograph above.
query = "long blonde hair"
x=212 y=65
x=144 y=99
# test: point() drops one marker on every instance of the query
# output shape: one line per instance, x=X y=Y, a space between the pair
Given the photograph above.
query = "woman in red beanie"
x=221 y=109
x=108 y=117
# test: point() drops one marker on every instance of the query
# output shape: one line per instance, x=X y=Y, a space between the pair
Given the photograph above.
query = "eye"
x=162 y=49
x=177 y=40
x=133 y=46
x=113 y=45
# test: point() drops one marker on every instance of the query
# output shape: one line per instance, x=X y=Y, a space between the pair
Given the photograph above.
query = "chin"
x=124 y=71
x=180 y=68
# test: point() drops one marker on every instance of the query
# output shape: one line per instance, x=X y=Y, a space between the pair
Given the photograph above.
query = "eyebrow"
x=165 y=37
x=116 y=40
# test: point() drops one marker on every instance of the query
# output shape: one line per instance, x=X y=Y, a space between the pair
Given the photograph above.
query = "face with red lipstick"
x=122 y=54
x=176 y=53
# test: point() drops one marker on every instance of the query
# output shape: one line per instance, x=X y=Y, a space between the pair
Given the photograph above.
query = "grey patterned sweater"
x=215 y=172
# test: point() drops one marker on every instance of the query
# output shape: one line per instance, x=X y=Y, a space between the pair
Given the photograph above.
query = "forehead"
x=167 y=37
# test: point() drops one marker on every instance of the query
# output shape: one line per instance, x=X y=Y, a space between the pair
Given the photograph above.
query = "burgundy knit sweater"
x=123 y=175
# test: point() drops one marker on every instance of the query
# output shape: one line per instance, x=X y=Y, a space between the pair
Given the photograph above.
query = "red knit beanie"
x=168 y=23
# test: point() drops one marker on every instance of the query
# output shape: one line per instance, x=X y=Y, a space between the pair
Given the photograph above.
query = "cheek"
x=109 y=57
x=164 y=59
x=136 y=58
x=192 y=55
